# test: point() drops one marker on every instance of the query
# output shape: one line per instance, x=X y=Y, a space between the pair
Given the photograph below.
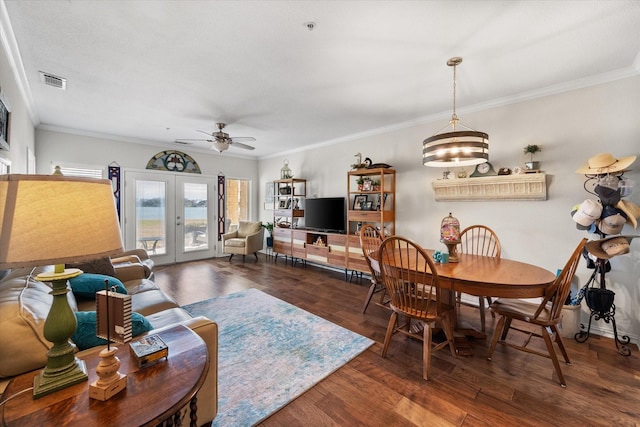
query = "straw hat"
x=632 y=210
x=609 y=247
x=605 y=163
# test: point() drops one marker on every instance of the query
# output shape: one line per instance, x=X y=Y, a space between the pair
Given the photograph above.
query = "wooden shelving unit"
x=336 y=250
x=288 y=209
x=381 y=212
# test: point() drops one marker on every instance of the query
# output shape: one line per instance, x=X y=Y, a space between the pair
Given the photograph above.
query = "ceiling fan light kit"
x=220 y=146
x=220 y=141
x=455 y=148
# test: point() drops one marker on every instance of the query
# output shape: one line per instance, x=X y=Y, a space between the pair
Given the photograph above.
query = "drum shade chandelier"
x=458 y=147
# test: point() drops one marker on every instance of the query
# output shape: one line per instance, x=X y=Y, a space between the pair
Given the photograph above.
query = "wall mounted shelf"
x=531 y=186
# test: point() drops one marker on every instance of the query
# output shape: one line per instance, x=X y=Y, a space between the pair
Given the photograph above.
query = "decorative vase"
x=269 y=242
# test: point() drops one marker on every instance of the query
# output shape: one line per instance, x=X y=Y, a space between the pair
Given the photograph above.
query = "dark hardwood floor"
x=514 y=388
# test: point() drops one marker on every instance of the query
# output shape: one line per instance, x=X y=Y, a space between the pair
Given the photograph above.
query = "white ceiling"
x=156 y=71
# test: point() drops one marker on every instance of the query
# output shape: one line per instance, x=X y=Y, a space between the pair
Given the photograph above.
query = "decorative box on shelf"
x=530 y=186
x=149 y=349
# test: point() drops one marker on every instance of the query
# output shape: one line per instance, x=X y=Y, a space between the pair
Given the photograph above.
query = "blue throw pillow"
x=87 y=284
x=85 y=335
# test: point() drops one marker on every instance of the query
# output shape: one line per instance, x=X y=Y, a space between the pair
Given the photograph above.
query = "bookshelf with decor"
x=288 y=214
x=372 y=199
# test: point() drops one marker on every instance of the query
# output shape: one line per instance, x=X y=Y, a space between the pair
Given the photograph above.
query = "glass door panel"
x=196 y=215
x=196 y=221
x=169 y=215
x=151 y=218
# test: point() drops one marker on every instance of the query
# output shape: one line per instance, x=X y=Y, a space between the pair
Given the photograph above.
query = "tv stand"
x=339 y=249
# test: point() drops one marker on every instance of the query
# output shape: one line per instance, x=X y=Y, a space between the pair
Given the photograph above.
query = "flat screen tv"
x=325 y=214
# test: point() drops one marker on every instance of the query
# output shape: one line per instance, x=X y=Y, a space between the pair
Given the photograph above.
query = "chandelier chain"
x=454 y=62
x=454 y=91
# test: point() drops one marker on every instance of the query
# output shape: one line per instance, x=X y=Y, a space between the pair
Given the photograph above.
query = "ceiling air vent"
x=51 y=80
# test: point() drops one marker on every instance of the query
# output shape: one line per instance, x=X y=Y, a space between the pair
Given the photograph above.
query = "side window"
x=237 y=200
x=84 y=171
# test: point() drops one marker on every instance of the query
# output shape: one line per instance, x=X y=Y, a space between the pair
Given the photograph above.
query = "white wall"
x=570 y=127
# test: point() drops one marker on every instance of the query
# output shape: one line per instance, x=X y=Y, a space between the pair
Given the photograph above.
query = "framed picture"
x=358 y=201
x=368 y=205
x=367 y=185
x=269 y=193
x=5 y=116
x=282 y=204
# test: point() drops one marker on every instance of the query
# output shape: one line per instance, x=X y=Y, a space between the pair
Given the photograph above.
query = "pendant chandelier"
x=458 y=147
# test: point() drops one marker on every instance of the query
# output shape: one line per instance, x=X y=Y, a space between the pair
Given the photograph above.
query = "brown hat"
x=605 y=163
x=631 y=210
x=609 y=247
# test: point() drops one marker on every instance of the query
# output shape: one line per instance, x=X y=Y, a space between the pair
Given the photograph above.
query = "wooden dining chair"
x=478 y=240
x=412 y=283
x=370 y=240
x=545 y=315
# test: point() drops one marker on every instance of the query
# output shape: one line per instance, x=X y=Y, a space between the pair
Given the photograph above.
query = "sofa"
x=25 y=304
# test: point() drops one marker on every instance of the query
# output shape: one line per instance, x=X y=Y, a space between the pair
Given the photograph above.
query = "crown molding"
x=631 y=71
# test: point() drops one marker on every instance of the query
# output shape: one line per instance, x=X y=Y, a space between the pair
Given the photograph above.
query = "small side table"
x=154 y=394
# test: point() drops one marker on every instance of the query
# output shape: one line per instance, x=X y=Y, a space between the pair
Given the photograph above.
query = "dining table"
x=486 y=276
x=495 y=277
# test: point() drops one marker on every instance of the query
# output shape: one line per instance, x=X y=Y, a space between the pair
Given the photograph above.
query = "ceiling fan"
x=221 y=141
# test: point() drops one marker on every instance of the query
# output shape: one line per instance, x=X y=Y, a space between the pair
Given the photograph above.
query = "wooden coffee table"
x=154 y=393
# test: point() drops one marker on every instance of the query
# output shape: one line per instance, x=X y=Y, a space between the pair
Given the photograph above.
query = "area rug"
x=270 y=352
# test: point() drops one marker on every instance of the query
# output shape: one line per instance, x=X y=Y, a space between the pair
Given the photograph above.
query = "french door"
x=173 y=216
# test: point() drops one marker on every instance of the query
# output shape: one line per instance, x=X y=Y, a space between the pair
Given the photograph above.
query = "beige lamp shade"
x=49 y=220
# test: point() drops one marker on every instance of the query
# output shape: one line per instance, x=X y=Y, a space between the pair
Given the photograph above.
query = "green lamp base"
x=47 y=382
x=63 y=367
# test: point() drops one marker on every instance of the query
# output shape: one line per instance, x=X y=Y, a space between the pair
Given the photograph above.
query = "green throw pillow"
x=85 y=335
x=87 y=284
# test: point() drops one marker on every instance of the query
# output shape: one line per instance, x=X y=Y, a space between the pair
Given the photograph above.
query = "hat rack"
x=600 y=300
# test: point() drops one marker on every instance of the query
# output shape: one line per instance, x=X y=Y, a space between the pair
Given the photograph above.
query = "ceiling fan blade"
x=206 y=133
x=189 y=141
x=242 y=139
x=241 y=145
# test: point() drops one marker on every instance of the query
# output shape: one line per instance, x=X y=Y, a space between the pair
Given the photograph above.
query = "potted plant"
x=376 y=185
x=532 y=149
x=360 y=181
x=269 y=227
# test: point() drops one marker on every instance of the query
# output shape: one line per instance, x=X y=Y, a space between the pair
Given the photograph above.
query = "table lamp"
x=52 y=220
